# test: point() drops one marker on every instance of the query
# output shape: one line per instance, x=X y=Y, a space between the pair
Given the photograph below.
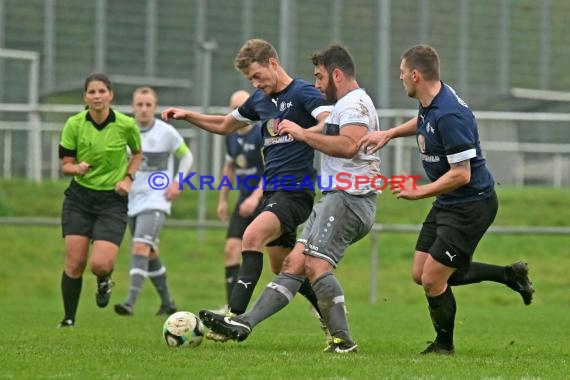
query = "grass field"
x=497 y=337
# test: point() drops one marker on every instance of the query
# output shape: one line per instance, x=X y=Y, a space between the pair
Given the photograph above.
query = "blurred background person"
x=243 y=158
x=148 y=206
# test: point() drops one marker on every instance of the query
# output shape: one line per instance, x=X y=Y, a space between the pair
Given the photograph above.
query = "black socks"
x=442 y=310
x=479 y=272
x=249 y=273
x=231 y=274
x=70 y=291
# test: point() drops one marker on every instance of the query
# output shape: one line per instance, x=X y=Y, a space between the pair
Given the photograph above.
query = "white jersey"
x=159 y=145
x=355 y=107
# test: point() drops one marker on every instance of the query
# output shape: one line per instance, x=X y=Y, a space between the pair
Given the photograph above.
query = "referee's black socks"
x=70 y=291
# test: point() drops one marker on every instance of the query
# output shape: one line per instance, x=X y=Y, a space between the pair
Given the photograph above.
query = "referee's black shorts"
x=99 y=215
x=450 y=233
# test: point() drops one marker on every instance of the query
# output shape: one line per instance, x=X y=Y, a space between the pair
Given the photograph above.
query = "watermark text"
x=341 y=181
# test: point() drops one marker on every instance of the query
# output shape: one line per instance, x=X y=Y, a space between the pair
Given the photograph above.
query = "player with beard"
x=339 y=219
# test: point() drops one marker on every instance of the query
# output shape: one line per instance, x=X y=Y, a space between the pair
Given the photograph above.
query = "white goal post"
x=34 y=162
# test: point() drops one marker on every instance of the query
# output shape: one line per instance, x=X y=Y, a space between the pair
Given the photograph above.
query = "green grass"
x=529 y=206
x=497 y=337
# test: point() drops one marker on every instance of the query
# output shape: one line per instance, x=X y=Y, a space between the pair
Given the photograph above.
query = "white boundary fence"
x=557 y=150
x=37 y=131
x=374 y=235
x=45 y=135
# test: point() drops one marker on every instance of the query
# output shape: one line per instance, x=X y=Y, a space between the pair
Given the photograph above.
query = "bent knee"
x=433 y=285
x=417 y=278
x=294 y=263
x=141 y=249
x=102 y=267
x=315 y=268
x=417 y=275
x=253 y=242
x=75 y=269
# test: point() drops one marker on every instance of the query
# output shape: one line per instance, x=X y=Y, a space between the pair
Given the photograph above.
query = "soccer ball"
x=183 y=329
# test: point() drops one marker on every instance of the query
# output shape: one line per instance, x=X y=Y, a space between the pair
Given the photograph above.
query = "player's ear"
x=415 y=74
x=337 y=74
x=273 y=62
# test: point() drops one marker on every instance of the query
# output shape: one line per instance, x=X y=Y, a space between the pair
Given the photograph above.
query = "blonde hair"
x=145 y=90
x=254 y=50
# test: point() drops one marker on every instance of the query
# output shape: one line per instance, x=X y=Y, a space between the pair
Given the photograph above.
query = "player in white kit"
x=344 y=215
x=148 y=206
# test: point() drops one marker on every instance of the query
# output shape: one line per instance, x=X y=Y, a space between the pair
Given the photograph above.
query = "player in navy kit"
x=339 y=219
x=244 y=168
x=288 y=164
x=466 y=203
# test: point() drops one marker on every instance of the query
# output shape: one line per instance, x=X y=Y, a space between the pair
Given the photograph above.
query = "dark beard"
x=330 y=92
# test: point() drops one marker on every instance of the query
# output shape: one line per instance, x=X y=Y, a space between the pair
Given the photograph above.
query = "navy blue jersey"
x=447 y=133
x=244 y=151
x=287 y=162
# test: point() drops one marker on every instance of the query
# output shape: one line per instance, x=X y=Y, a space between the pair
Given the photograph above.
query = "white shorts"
x=146 y=226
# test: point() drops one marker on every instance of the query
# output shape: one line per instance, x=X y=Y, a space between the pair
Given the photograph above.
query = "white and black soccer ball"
x=183 y=329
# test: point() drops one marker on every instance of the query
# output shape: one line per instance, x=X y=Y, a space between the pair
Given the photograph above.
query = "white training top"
x=355 y=107
x=159 y=145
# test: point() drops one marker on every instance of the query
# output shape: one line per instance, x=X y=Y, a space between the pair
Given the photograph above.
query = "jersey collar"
x=110 y=119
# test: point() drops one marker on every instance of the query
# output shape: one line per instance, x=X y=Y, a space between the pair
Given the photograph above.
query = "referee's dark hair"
x=335 y=56
x=99 y=77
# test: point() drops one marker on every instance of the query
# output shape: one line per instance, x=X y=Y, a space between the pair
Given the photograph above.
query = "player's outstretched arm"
x=219 y=124
x=375 y=141
x=458 y=175
x=344 y=145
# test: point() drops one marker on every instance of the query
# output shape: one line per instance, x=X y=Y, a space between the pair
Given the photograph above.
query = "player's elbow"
x=348 y=150
x=461 y=173
x=347 y=155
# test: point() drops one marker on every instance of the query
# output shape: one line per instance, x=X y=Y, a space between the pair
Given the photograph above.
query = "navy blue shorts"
x=292 y=208
x=238 y=223
x=450 y=233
